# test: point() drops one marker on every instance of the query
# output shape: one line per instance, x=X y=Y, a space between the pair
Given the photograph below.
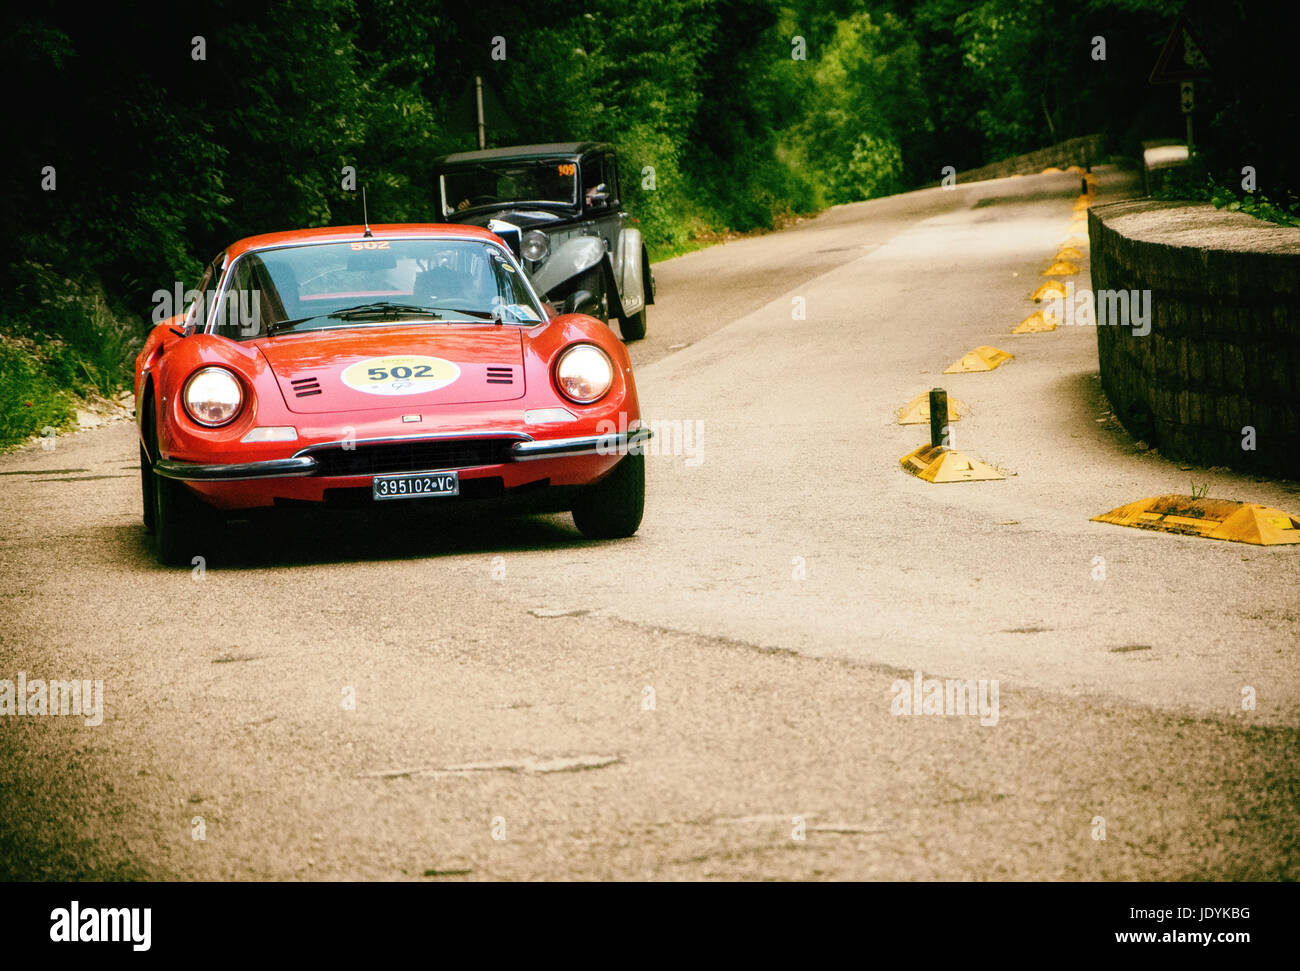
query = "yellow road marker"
x=917 y=411
x=1039 y=322
x=1075 y=241
x=1052 y=288
x=1069 y=253
x=1083 y=202
x=1227 y=519
x=1049 y=170
x=1061 y=268
x=935 y=463
x=1075 y=169
x=983 y=358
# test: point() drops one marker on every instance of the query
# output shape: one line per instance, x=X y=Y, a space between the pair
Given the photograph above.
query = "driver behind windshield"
x=537 y=182
x=337 y=284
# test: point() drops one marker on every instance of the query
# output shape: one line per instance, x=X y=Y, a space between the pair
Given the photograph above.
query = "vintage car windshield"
x=364 y=282
x=546 y=182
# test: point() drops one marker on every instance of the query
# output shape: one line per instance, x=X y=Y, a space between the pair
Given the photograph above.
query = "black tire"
x=179 y=520
x=632 y=328
x=180 y=523
x=612 y=508
x=147 y=500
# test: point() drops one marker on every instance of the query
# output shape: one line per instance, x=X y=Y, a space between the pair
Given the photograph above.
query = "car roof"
x=327 y=234
x=550 y=150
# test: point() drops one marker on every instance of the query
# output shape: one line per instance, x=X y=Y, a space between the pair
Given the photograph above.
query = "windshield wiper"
x=383 y=308
x=275 y=325
x=493 y=315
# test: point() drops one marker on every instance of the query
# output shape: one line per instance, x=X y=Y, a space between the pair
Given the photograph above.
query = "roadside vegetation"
x=145 y=139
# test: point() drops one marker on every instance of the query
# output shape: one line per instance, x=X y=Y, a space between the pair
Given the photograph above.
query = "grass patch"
x=30 y=400
x=72 y=347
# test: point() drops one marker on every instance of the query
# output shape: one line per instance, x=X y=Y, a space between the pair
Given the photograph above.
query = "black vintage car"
x=558 y=207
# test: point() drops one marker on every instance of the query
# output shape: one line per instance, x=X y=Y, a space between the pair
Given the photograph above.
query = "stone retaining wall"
x=1223 y=353
x=1083 y=151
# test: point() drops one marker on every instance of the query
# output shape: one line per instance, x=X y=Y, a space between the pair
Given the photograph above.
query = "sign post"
x=1181 y=62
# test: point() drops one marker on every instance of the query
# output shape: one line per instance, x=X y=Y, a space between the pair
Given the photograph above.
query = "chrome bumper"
x=615 y=443
x=272 y=469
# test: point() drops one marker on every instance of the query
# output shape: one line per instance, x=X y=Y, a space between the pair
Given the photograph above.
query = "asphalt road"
x=712 y=698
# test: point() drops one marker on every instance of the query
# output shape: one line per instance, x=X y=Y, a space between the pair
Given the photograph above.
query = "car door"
x=607 y=216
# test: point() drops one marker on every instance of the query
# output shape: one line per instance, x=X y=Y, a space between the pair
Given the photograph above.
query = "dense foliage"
x=729 y=114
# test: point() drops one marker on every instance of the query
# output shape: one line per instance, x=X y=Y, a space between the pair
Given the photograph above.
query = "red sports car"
x=361 y=365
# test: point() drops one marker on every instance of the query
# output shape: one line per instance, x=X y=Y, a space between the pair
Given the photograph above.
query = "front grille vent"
x=305 y=387
x=414 y=456
x=500 y=375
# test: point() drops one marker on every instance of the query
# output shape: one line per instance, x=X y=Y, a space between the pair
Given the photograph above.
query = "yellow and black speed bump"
x=1039 y=322
x=983 y=358
x=917 y=411
x=936 y=463
x=1227 y=519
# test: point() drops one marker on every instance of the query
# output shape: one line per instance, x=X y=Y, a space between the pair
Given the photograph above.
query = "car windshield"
x=546 y=182
x=364 y=282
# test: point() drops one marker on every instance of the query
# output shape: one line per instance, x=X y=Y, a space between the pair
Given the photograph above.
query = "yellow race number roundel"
x=404 y=374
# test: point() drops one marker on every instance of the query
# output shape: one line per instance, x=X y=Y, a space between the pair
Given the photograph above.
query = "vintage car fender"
x=632 y=273
x=624 y=272
x=576 y=256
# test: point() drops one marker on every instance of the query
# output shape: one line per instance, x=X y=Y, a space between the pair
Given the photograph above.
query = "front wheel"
x=177 y=518
x=612 y=508
x=147 y=499
x=179 y=523
x=632 y=328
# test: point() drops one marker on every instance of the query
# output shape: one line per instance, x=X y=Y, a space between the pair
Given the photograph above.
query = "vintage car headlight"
x=584 y=373
x=536 y=245
x=212 y=396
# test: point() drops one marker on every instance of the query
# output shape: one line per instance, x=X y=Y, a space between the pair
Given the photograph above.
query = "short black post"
x=1083 y=186
x=938 y=416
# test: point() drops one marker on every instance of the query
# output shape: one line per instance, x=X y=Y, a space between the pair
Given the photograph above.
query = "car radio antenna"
x=365 y=215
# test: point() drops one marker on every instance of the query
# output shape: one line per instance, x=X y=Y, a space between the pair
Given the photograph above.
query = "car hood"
x=411 y=365
x=525 y=219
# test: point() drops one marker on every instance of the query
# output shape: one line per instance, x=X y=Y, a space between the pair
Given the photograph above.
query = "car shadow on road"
x=302 y=539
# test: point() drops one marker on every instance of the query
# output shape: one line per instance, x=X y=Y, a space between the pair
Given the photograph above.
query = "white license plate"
x=416 y=485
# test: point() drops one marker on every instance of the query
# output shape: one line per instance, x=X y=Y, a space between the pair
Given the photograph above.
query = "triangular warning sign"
x=1182 y=58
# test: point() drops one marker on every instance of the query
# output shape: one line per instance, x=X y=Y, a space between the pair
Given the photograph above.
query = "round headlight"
x=584 y=373
x=213 y=396
x=535 y=245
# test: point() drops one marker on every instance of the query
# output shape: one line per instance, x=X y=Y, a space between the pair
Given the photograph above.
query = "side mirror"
x=598 y=197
